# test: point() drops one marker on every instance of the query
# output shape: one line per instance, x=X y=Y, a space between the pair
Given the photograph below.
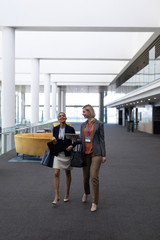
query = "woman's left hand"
x=69 y=148
x=103 y=159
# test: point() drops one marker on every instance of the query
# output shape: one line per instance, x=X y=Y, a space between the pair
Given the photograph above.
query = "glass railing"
x=7 y=142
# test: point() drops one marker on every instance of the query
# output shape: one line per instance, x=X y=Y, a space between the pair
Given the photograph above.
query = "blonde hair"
x=90 y=109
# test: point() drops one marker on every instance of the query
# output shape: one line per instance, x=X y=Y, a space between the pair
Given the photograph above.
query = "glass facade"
x=147 y=75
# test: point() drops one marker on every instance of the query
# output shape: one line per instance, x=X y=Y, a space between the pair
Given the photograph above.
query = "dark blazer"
x=66 y=142
x=98 y=142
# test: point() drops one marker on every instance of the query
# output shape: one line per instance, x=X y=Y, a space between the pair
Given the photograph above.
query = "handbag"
x=77 y=157
x=52 y=148
x=56 y=148
x=47 y=159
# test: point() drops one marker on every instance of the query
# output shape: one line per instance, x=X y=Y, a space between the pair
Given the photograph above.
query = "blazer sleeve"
x=102 y=140
x=81 y=140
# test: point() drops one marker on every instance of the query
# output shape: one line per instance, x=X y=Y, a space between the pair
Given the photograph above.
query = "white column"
x=59 y=99
x=54 y=91
x=22 y=106
x=17 y=106
x=101 y=104
x=8 y=77
x=63 y=100
x=35 y=91
x=47 y=97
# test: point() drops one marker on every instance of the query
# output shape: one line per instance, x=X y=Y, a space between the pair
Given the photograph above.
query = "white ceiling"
x=79 y=42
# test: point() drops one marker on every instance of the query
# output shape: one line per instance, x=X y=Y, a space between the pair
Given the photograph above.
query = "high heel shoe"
x=94 y=207
x=55 y=202
x=66 y=198
x=84 y=198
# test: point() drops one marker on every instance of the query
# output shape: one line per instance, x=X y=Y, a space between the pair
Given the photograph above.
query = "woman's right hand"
x=103 y=159
x=54 y=140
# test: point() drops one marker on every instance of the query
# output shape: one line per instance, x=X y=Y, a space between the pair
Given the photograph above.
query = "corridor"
x=129 y=207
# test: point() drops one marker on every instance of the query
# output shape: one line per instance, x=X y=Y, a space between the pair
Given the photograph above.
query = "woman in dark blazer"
x=62 y=161
x=93 y=145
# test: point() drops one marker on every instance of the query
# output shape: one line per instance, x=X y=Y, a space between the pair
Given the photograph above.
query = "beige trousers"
x=92 y=168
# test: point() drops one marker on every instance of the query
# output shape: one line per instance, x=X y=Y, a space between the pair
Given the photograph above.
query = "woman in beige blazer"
x=93 y=145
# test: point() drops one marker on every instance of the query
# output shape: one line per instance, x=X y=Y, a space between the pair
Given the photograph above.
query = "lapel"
x=66 y=128
x=58 y=127
x=95 y=128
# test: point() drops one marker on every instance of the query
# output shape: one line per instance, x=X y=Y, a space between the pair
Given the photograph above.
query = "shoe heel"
x=84 y=198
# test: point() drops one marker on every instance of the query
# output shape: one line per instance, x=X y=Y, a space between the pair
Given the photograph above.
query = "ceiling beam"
x=88 y=29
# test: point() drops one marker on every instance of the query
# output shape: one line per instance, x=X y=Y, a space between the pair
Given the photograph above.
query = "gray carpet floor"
x=129 y=207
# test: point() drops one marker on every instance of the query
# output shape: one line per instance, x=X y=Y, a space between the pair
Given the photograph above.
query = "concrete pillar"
x=35 y=91
x=54 y=91
x=8 y=78
x=47 y=97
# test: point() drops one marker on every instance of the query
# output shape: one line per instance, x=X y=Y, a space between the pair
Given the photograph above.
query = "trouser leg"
x=86 y=175
x=95 y=166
